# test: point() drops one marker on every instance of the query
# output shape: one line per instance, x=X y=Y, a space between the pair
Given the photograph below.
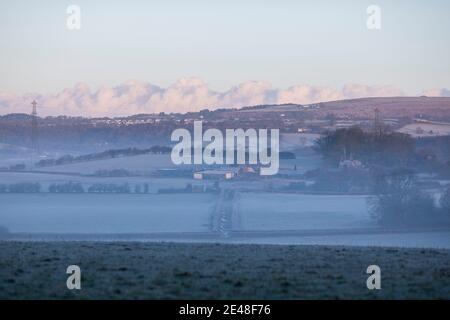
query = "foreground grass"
x=36 y=270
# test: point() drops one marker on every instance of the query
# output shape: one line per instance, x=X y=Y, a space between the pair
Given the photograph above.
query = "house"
x=350 y=164
x=248 y=169
x=218 y=174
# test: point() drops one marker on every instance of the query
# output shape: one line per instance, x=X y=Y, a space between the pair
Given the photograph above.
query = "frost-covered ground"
x=405 y=239
x=105 y=213
x=302 y=163
x=37 y=270
x=275 y=211
x=293 y=141
x=264 y=218
x=147 y=163
x=426 y=129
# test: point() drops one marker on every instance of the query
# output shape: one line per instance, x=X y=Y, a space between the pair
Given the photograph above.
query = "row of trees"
x=22 y=187
x=388 y=149
x=74 y=187
x=383 y=148
x=112 y=173
x=69 y=187
x=108 y=154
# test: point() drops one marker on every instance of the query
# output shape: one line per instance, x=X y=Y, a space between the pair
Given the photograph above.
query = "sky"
x=175 y=55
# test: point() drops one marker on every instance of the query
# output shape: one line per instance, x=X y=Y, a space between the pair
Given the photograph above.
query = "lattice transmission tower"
x=34 y=128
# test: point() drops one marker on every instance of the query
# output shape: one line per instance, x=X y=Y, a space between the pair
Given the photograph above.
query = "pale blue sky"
x=284 y=42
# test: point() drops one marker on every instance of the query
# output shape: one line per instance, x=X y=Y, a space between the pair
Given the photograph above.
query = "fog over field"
x=154 y=200
x=49 y=213
x=303 y=212
x=343 y=188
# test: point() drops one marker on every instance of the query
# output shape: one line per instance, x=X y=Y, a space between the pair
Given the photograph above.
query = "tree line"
x=383 y=148
x=74 y=187
x=108 y=154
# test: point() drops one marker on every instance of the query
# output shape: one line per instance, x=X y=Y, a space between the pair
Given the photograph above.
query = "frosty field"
x=293 y=141
x=426 y=129
x=105 y=213
x=274 y=211
x=37 y=270
x=259 y=218
x=403 y=239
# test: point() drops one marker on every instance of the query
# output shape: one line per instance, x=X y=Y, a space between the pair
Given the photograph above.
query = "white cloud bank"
x=186 y=94
x=437 y=92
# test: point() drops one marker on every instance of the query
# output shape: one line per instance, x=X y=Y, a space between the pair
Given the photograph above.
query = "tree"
x=385 y=148
x=400 y=202
x=342 y=143
x=24 y=187
x=68 y=187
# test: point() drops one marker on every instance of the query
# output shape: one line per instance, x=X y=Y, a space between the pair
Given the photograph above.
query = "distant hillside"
x=398 y=107
x=438 y=107
x=77 y=135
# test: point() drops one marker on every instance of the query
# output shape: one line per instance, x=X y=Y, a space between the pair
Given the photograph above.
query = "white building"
x=218 y=174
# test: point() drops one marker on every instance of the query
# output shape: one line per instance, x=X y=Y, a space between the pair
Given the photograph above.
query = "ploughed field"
x=133 y=270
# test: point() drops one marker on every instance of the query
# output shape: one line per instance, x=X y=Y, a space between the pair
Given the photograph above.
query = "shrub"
x=109 y=188
x=68 y=187
x=17 y=167
x=112 y=173
x=400 y=202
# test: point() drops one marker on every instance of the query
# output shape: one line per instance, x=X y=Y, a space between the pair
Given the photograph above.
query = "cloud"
x=304 y=94
x=352 y=91
x=186 y=94
x=437 y=92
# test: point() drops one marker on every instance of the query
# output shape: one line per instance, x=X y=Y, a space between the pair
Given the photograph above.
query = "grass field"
x=274 y=211
x=36 y=270
x=105 y=213
x=426 y=129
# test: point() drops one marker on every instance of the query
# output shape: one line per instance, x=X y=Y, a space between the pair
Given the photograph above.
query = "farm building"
x=218 y=174
x=350 y=164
